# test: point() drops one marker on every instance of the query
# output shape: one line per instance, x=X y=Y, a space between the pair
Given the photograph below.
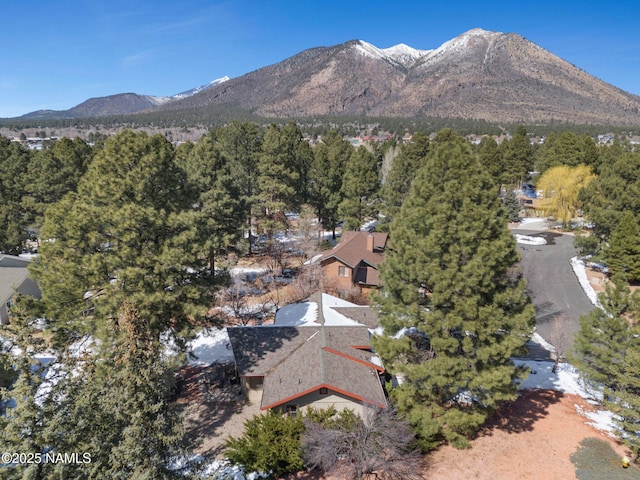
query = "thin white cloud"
x=136 y=59
x=177 y=25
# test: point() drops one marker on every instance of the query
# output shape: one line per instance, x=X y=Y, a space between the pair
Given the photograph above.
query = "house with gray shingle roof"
x=325 y=359
x=14 y=277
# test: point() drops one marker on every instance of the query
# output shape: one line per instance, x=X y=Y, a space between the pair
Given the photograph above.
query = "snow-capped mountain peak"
x=405 y=54
x=462 y=41
x=199 y=89
x=400 y=54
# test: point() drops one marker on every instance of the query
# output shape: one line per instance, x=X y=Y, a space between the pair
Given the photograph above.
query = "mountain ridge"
x=478 y=75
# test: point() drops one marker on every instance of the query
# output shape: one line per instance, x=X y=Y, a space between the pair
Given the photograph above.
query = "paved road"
x=554 y=286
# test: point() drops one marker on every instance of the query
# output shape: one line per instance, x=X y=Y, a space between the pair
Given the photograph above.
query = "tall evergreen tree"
x=614 y=192
x=22 y=420
x=325 y=178
x=14 y=161
x=53 y=172
x=240 y=143
x=277 y=180
x=403 y=170
x=118 y=400
x=568 y=149
x=490 y=157
x=127 y=234
x=450 y=286
x=517 y=156
x=600 y=344
x=623 y=252
x=359 y=189
x=219 y=206
x=606 y=352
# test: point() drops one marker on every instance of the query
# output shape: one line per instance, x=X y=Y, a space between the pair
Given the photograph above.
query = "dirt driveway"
x=532 y=439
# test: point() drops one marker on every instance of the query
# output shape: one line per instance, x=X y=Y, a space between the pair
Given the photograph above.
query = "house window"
x=343 y=272
x=292 y=410
x=324 y=391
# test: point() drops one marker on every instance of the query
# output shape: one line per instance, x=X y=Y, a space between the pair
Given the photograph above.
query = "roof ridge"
x=324 y=337
x=352 y=358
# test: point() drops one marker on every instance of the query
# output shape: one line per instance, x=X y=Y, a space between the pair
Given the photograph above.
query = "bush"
x=270 y=444
x=586 y=244
x=596 y=460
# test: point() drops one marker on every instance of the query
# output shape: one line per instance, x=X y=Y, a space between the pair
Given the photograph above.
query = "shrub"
x=270 y=443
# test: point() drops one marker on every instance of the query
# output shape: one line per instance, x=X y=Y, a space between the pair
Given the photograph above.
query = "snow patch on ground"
x=566 y=380
x=528 y=240
x=211 y=345
x=581 y=274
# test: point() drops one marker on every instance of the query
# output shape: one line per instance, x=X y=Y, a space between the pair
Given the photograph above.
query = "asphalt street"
x=554 y=287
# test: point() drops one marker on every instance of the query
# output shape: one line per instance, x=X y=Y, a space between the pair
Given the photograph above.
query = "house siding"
x=252 y=388
x=331 y=269
x=324 y=401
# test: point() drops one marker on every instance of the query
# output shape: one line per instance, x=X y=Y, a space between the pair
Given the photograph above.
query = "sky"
x=56 y=54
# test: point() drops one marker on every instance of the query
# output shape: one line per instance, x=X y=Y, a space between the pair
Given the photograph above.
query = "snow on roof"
x=298 y=314
x=333 y=318
x=306 y=313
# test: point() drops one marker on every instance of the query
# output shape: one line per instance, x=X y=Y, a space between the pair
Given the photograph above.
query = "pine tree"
x=219 y=208
x=240 y=143
x=14 y=161
x=512 y=206
x=127 y=234
x=277 y=180
x=517 y=157
x=359 y=189
x=403 y=170
x=52 y=173
x=118 y=400
x=614 y=192
x=627 y=407
x=600 y=344
x=325 y=178
x=491 y=159
x=623 y=252
x=22 y=420
x=607 y=351
x=451 y=287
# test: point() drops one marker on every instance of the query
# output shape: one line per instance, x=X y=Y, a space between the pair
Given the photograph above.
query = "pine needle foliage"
x=270 y=444
x=607 y=354
x=453 y=305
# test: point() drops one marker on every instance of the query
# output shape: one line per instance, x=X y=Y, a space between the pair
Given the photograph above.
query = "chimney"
x=370 y=242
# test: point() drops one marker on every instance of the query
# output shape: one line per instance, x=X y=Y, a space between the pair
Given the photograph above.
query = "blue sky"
x=57 y=53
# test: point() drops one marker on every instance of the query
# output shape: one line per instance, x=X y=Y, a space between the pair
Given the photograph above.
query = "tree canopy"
x=453 y=306
x=561 y=186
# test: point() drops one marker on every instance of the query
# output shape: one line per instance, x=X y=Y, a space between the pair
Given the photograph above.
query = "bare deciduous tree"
x=379 y=445
x=559 y=337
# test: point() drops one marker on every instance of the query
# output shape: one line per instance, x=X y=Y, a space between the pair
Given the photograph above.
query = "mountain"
x=493 y=76
x=119 y=104
x=479 y=75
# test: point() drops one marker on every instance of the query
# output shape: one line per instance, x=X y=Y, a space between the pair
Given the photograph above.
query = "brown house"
x=353 y=262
